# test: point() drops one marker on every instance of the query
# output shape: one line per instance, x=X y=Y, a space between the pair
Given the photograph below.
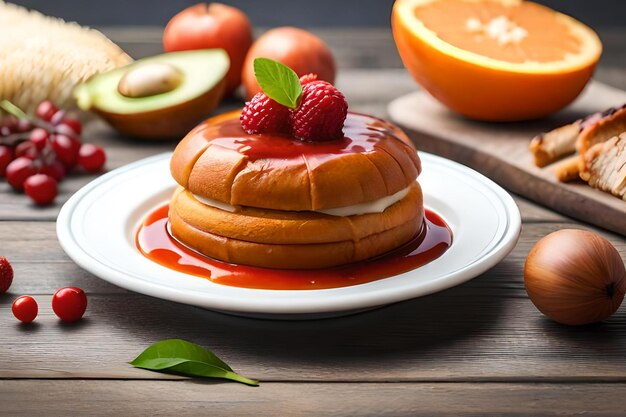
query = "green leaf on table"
x=278 y=82
x=180 y=357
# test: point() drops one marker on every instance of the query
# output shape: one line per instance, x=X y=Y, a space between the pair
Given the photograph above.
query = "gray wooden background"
x=314 y=13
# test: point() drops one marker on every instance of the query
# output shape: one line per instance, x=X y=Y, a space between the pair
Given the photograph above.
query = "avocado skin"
x=169 y=115
x=168 y=123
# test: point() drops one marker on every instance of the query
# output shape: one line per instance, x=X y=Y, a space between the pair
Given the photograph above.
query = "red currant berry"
x=66 y=150
x=6 y=156
x=58 y=118
x=25 y=308
x=64 y=129
x=69 y=304
x=91 y=157
x=18 y=170
x=46 y=110
x=73 y=124
x=26 y=149
x=41 y=188
x=6 y=274
x=56 y=170
x=39 y=137
x=24 y=125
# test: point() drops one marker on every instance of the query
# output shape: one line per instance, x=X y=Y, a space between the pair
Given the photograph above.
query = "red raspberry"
x=321 y=114
x=264 y=115
x=6 y=274
x=305 y=79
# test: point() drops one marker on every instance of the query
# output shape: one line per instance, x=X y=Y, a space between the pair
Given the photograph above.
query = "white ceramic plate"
x=96 y=228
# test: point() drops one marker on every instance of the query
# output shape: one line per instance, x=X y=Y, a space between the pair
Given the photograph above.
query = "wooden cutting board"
x=500 y=151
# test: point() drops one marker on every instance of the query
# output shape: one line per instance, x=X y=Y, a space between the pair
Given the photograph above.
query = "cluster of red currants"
x=68 y=303
x=36 y=153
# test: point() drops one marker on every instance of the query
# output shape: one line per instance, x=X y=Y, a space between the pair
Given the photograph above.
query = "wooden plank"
x=484 y=330
x=500 y=151
x=532 y=212
x=41 y=266
x=182 y=398
x=460 y=335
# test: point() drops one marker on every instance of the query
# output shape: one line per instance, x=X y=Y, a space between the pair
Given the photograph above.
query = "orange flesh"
x=531 y=33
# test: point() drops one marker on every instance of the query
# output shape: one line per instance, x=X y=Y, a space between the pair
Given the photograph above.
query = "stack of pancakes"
x=294 y=205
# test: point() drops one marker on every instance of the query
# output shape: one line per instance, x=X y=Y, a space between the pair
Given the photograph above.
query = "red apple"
x=298 y=49
x=212 y=25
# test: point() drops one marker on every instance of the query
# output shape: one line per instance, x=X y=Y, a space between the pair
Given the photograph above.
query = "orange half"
x=495 y=60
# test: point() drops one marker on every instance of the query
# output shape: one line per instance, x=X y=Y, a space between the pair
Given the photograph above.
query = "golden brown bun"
x=293 y=227
x=293 y=240
x=209 y=165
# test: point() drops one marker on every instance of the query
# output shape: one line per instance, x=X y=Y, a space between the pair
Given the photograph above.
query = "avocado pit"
x=149 y=79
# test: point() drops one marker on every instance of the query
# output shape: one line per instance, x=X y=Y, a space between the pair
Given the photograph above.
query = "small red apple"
x=300 y=50
x=212 y=25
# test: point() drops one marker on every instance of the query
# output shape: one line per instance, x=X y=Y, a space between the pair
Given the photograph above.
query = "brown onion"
x=575 y=277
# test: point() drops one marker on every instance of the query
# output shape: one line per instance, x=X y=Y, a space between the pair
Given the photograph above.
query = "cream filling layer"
x=376 y=206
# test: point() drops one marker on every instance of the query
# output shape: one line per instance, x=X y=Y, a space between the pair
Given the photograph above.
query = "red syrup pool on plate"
x=156 y=243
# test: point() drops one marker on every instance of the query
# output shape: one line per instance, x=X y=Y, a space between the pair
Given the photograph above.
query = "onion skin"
x=575 y=277
x=300 y=50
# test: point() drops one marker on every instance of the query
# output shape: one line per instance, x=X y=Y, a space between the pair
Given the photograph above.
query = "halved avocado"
x=160 y=97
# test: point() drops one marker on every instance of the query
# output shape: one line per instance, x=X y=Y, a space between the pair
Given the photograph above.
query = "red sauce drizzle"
x=156 y=243
x=361 y=135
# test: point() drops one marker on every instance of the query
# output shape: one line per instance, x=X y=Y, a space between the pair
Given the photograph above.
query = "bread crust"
x=292 y=256
x=602 y=128
x=209 y=169
x=291 y=227
x=604 y=166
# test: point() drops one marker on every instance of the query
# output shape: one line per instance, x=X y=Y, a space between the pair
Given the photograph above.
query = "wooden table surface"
x=478 y=349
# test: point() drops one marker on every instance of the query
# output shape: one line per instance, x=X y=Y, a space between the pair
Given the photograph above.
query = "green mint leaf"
x=12 y=109
x=180 y=357
x=278 y=82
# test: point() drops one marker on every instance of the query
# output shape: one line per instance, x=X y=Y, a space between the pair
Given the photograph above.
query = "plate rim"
x=499 y=250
